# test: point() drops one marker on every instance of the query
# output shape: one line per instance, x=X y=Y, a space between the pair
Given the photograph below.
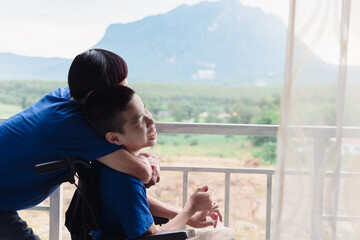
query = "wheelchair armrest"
x=160 y=220
x=170 y=235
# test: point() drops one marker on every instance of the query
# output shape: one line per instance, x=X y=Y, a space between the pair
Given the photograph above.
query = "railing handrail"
x=218 y=169
x=252 y=129
x=248 y=129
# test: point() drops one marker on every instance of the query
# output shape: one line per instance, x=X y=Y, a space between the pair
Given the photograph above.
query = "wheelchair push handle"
x=51 y=166
x=70 y=162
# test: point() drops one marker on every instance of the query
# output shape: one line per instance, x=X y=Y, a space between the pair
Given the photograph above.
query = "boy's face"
x=139 y=129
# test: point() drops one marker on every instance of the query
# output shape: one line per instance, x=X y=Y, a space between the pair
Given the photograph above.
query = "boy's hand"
x=155 y=165
x=201 y=200
x=199 y=219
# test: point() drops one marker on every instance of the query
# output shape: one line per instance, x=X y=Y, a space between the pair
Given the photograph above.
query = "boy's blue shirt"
x=124 y=205
x=51 y=129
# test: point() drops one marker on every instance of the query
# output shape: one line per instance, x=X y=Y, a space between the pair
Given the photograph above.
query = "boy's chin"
x=152 y=142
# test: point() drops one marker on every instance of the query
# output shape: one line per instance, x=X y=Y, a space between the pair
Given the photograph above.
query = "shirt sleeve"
x=75 y=137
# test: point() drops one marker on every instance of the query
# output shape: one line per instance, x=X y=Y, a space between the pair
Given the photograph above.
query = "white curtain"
x=317 y=180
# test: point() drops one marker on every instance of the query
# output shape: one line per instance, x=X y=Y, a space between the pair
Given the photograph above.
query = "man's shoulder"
x=60 y=99
x=52 y=109
x=57 y=106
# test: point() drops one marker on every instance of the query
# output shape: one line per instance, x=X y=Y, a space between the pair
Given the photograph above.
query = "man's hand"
x=155 y=165
x=199 y=219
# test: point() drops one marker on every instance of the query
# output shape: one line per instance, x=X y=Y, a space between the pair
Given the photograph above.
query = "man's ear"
x=114 y=138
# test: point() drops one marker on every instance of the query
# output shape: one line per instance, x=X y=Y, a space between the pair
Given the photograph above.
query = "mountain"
x=221 y=42
x=16 y=67
x=211 y=41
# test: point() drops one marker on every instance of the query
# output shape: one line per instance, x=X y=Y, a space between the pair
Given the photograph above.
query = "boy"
x=119 y=115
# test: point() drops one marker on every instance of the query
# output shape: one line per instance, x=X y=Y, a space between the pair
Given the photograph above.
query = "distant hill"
x=210 y=42
x=16 y=67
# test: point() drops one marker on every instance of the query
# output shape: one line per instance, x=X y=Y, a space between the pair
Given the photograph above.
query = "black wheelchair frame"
x=82 y=216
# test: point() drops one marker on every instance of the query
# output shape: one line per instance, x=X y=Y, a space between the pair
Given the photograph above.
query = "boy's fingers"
x=215 y=222
x=215 y=214
x=203 y=188
x=215 y=206
x=209 y=223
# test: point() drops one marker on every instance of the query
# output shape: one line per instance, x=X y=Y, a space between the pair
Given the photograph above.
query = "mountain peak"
x=206 y=41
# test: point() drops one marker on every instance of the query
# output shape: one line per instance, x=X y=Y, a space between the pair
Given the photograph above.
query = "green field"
x=7 y=110
x=200 y=145
x=180 y=103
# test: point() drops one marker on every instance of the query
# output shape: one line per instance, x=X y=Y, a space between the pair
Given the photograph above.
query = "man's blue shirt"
x=124 y=206
x=49 y=130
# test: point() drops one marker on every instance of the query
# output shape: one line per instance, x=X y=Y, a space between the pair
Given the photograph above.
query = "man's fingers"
x=145 y=154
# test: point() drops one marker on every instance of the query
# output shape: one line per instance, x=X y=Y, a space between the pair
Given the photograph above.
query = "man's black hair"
x=95 y=68
x=104 y=107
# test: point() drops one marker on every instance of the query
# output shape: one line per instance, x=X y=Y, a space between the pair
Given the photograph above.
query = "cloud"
x=172 y=59
x=205 y=64
x=204 y=74
x=213 y=27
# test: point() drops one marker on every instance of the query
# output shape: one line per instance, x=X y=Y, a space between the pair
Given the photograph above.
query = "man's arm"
x=122 y=161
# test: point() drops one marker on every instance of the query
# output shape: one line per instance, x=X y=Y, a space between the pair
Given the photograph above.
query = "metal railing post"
x=56 y=209
x=227 y=199
x=318 y=187
x=268 y=204
x=185 y=186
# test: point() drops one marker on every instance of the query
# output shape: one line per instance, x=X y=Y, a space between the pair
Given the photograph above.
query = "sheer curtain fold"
x=317 y=180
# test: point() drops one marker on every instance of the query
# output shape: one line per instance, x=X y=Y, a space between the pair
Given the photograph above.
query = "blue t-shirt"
x=49 y=130
x=124 y=206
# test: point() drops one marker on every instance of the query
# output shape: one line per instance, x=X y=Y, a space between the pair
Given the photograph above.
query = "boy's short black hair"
x=104 y=107
x=95 y=68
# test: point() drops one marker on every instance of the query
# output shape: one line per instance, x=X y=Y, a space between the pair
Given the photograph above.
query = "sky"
x=67 y=27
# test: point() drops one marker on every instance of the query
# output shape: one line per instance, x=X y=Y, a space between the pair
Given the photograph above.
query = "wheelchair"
x=82 y=217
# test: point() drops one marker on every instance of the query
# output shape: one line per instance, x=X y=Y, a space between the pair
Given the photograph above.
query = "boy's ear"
x=114 y=138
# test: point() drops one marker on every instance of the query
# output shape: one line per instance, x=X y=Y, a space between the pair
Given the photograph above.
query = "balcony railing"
x=228 y=171
x=319 y=135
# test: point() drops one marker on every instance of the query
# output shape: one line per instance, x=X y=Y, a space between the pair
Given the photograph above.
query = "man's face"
x=139 y=129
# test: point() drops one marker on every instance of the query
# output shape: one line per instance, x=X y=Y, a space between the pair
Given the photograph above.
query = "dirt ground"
x=247 y=195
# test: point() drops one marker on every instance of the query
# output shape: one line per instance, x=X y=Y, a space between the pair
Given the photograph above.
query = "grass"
x=7 y=110
x=200 y=145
